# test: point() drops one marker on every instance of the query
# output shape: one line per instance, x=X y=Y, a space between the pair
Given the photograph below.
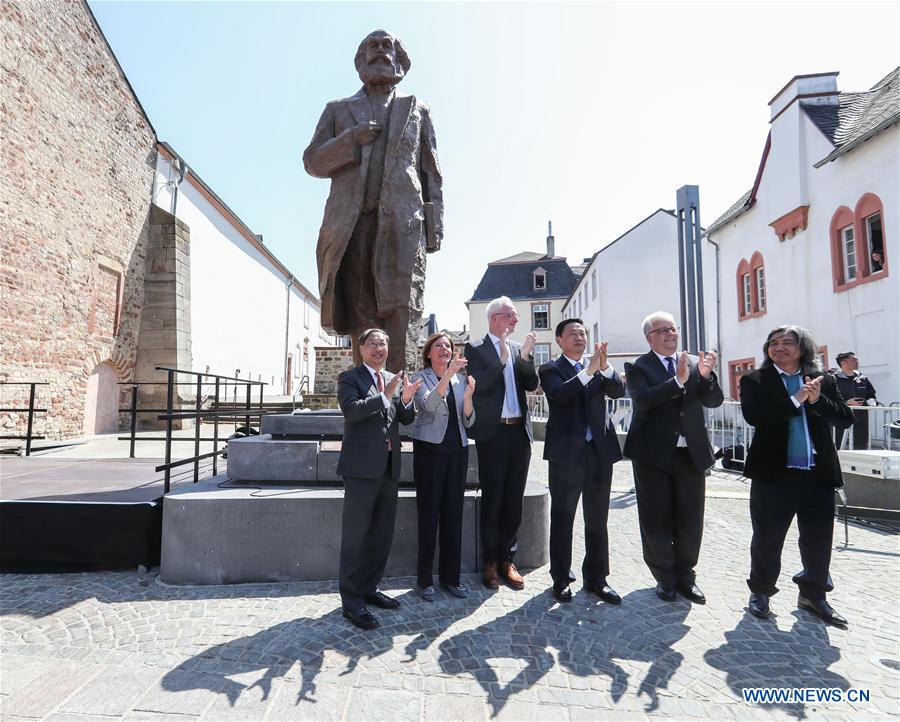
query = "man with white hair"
x=504 y=371
x=669 y=447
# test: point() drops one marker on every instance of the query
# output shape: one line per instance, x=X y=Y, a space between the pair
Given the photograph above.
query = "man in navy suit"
x=669 y=447
x=581 y=446
x=373 y=402
x=503 y=371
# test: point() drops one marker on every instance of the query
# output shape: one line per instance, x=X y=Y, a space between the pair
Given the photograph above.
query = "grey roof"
x=857 y=116
x=742 y=204
x=514 y=278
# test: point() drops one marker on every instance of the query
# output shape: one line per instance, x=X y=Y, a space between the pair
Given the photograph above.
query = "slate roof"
x=858 y=116
x=513 y=277
x=742 y=204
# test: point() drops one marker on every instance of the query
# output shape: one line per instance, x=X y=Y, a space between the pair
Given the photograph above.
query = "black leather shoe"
x=606 y=593
x=759 y=605
x=363 y=619
x=562 y=593
x=692 y=592
x=382 y=601
x=822 y=609
x=667 y=594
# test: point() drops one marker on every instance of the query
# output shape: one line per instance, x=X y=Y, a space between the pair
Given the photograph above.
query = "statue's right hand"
x=365 y=132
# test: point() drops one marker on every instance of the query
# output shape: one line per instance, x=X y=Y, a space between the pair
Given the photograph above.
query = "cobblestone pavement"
x=101 y=646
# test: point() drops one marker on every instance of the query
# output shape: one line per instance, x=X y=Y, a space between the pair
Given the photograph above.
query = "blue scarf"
x=800 y=455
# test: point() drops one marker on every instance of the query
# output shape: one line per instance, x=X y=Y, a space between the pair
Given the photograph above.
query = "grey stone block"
x=214 y=535
x=312 y=424
x=261 y=458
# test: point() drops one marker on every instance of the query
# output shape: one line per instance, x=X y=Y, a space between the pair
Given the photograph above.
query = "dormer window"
x=540 y=279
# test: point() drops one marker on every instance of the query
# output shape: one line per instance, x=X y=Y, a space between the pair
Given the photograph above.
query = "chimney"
x=789 y=167
x=551 y=242
x=816 y=89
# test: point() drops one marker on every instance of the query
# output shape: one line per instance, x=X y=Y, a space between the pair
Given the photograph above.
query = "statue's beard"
x=380 y=72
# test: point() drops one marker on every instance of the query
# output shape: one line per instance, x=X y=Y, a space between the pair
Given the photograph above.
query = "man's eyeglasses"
x=667 y=329
x=507 y=313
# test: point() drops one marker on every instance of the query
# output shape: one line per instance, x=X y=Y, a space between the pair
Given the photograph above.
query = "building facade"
x=812 y=242
x=538 y=284
x=632 y=276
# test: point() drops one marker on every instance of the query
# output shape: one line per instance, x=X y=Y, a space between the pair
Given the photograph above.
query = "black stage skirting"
x=44 y=536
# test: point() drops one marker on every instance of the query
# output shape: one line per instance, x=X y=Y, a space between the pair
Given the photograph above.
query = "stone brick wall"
x=76 y=169
x=330 y=361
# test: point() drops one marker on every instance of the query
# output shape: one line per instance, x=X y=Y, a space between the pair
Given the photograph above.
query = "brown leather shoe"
x=512 y=576
x=490 y=577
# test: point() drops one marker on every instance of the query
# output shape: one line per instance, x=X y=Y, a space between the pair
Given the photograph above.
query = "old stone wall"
x=75 y=180
x=330 y=361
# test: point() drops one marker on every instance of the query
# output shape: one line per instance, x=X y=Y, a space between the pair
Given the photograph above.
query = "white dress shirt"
x=682 y=442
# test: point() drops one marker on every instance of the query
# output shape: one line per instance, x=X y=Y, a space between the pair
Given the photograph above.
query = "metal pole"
x=30 y=420
x=134 y=391
x=216 y=429
x=248 y=407
x=170 y=399
x=681 y=289
x=197 y=429
x=701 y=315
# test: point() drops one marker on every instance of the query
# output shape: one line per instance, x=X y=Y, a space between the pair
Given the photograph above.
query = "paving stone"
x=378 y=705
x=112 y=692
x=42 y=695
x=450 y=708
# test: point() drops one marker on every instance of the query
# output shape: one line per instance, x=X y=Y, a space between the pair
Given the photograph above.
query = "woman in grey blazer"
x=440 y=461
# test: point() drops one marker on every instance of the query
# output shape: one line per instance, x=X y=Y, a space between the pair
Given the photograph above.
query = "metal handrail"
x=31 y=411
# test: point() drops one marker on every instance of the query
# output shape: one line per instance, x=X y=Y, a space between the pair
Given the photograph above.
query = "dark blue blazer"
x=368 y=425
x=572 y=407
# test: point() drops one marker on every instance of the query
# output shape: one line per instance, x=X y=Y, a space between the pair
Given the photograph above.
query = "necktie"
x=379 y=384
x=798 y=444
x=579 y=367
x=670 y=365
x=509 y=382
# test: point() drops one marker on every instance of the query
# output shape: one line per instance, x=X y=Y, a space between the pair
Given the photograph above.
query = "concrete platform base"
x=241 y=533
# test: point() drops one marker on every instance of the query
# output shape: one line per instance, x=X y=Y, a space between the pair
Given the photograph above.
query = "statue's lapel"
x=401 y=109
x=359 y=107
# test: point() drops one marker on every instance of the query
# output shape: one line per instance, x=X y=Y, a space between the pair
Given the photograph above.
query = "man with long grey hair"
x=793 y=466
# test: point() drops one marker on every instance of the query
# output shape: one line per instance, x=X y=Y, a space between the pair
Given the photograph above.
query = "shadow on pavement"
x=759 y=654
x=306 y=642
x=587 y=635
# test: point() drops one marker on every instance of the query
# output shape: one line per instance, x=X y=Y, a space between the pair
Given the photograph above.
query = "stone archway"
x=101 y=401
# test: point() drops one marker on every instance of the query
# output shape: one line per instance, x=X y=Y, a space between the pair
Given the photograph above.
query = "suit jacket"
x=432 y=413
x=572 y=407
x=412 y=177
x=485 y=366
x=767 y=407
x=368 y=425
x=662 y=411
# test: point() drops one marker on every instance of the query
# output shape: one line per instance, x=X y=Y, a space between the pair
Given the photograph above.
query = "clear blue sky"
x=589 y=114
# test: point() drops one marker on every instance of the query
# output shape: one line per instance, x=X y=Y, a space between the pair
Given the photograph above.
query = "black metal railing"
x=30 y=411
x=206 y=406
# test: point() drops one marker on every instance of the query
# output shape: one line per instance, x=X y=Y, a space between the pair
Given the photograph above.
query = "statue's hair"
x=402 y=57
x=656 y=316
x=495 y=305
x=809 y=362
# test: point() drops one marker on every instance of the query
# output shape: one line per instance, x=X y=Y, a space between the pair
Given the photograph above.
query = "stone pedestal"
x=243 y=534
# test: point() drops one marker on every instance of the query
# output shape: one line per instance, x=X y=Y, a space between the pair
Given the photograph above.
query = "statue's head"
x=381 y=59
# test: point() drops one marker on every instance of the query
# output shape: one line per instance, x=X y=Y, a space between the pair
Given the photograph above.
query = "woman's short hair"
x=430 y=341
x=809 y=360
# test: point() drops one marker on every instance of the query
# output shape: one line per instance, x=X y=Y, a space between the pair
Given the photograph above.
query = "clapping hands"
x=810 y=391
x=706 y=363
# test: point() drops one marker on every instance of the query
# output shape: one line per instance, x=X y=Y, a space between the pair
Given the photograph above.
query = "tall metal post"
x=690 y=268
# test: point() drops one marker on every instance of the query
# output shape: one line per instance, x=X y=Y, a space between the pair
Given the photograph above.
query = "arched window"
x=858 y=247
x=751 y=287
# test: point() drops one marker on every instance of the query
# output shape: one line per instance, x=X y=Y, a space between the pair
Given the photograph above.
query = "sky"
x=591 y=115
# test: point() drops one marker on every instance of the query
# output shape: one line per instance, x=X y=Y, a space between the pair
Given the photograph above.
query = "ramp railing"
x=29 y=412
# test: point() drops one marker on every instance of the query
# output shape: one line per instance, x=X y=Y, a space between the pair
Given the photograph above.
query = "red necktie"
x=379 y=384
